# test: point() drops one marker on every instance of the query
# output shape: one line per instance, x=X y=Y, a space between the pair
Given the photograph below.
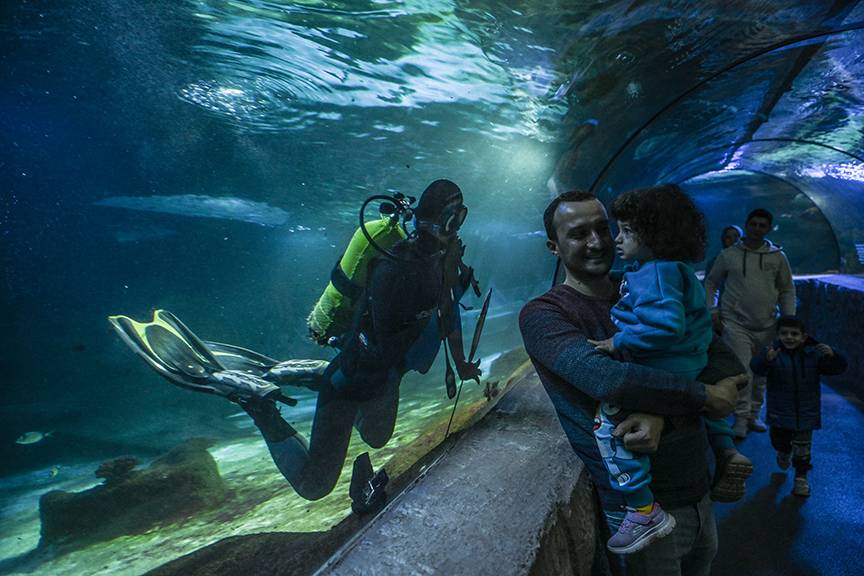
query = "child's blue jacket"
x=662 y=317
x=794 y=396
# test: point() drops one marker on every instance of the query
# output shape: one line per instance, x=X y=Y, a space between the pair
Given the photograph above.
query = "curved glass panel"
x=829 y=187
x=210 y=159
x=799 y=225
x=638 y=60
x=797 y=117
x=727 y=110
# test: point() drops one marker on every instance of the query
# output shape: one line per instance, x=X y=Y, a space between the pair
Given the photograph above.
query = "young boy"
x=793 y=364
x=663 y=323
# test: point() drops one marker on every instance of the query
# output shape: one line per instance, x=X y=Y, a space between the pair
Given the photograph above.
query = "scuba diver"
x=392 y=301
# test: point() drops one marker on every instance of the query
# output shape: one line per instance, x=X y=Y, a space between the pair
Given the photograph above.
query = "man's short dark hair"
x=666 y=220
x=549 y=213
x=760 y=213
x=791 y=322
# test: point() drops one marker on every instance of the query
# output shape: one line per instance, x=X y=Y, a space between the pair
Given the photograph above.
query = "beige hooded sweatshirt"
x=754 y=283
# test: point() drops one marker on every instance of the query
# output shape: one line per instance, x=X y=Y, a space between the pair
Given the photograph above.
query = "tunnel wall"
x=832 y=308
x=509 y=498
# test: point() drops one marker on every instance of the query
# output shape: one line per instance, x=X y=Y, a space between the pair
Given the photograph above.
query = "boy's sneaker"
x=802 y=487
x=784 y=460
x=757 y=425
x=733 y=470
x=639 y=530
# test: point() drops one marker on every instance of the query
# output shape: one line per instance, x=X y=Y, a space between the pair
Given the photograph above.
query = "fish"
x=32 y=437
x=202 y=206
x=54 y=471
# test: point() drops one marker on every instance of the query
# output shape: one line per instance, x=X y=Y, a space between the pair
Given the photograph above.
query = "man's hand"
x=824 y=350
x=717 y=323
x=720 y=398
x=771 y=354
x=605 y=346
x=640 y=432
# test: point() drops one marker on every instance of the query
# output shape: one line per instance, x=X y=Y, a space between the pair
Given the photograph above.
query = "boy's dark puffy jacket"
x=794 y=394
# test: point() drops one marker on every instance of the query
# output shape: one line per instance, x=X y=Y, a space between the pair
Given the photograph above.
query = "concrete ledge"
x=507 y=497
x=832 y=308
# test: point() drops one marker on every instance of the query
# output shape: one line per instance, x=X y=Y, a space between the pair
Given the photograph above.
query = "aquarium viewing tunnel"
x=195 y=169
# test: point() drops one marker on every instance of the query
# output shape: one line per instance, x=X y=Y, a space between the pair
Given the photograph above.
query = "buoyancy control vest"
x=403 y=296
x=334 y=311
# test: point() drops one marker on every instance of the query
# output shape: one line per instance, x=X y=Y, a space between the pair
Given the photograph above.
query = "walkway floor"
x=773 y=533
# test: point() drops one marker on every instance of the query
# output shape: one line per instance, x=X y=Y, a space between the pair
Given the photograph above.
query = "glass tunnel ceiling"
x=625 y=90
x=587 y=76
x=785 y=103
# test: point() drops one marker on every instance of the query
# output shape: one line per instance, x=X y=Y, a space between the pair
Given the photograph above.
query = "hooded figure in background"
x=756 y=279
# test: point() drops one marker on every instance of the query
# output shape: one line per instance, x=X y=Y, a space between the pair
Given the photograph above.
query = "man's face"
x=791 y=337
x=757 y=228
x=584 y=239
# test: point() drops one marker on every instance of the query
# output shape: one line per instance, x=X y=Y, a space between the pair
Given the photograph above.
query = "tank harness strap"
x=344 y=284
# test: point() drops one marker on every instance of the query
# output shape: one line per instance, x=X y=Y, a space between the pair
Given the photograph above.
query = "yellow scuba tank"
x=334 y=311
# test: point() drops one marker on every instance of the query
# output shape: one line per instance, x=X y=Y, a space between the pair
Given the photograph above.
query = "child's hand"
x=771 y=354
x=824 y=350
x=604 y=346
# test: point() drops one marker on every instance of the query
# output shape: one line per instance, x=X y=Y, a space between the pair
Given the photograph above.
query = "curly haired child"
x=663 y=323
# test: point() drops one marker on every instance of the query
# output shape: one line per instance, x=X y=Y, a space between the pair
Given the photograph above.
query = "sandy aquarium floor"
x=260 y=499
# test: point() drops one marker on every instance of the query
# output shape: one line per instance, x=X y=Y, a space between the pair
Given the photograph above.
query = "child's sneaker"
x=784 y=460
x=639 y=530
x=802 y=487
x=739 y=429
x=733 y=470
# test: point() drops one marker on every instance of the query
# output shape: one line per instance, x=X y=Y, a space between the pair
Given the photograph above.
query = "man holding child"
x=556 y=328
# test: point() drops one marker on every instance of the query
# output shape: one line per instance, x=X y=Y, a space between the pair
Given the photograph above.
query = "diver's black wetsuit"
x=390 y=337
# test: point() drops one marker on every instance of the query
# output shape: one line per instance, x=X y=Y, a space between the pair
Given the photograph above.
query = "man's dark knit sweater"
x=555 y=328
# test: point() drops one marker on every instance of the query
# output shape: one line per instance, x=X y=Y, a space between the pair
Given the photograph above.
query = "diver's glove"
x=237 y=386
x=306 y=373
x=469 y=371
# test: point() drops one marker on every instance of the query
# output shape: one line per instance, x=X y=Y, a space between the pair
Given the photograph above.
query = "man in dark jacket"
x=556 y=327
x=793 y=365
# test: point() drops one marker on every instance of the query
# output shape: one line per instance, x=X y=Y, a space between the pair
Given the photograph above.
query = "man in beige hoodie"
x=757 y=279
